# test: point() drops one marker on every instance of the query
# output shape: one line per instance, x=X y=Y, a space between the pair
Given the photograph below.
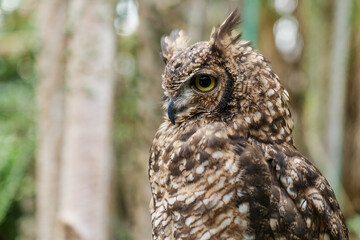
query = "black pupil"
x=204 y=81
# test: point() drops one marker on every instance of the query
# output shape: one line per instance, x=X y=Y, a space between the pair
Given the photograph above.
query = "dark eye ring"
x=204 y=82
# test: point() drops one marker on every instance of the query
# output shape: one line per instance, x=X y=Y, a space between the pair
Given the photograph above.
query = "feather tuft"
x=173 y=43
x=222 y=36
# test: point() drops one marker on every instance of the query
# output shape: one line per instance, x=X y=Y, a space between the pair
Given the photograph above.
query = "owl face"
x=221 y=79
x=193 y=85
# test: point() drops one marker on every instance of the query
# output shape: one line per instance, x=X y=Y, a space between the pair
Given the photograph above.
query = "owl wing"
x=306 y=202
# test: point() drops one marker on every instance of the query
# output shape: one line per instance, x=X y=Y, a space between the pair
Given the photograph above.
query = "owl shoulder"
x=308 y=190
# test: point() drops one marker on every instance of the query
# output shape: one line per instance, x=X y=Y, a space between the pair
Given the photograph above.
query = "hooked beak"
x=171 y=111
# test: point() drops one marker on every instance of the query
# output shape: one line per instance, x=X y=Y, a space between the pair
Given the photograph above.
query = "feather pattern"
x=225 y=166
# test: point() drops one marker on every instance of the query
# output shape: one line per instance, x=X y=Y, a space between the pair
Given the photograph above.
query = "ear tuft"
x=222 y=36
x=173 y=43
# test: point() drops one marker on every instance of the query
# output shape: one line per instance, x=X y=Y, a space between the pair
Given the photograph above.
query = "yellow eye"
x=204 y=83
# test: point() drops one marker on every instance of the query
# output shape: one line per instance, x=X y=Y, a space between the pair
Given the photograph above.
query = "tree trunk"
x=75 y=141
x=337 y=84
x=52 y=16
x=351 y=176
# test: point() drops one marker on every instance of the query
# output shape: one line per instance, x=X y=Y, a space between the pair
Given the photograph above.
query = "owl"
x=222 y=164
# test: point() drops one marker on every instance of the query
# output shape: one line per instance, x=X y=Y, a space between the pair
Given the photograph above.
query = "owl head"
x=224 y=79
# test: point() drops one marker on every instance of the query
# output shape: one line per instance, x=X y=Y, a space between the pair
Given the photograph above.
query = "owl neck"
x=267 y=126
x=276 y=131
x=265 y=120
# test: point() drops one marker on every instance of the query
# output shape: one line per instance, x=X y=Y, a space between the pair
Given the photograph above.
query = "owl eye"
x=204 y=83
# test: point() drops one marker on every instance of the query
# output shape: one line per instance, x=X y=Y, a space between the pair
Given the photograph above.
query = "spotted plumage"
x=223 y=164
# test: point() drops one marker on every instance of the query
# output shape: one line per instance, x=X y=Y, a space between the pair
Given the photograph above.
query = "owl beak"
x=171 y=111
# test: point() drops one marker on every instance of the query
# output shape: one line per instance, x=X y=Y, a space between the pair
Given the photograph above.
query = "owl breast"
x=197 y=185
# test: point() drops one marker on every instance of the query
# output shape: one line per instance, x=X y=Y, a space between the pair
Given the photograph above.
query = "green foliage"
x=17 y=131
x=125 y=128
x=122 y=229
x=353 y=225
x=16 y=139
x=16 y=152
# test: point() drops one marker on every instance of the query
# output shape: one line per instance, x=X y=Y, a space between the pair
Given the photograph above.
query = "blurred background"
x=80 y=101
